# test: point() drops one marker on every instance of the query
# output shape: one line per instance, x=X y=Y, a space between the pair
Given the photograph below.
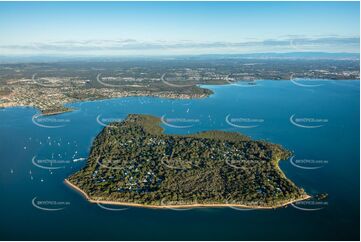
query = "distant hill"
x=286 y=55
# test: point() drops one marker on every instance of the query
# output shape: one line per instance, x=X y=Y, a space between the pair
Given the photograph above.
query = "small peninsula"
x=51 y=86
x=133 y=163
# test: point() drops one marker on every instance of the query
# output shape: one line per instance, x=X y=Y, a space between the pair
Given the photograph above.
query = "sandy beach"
x=71 y=185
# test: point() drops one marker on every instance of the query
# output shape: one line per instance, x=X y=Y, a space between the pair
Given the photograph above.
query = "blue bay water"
x=263 y=111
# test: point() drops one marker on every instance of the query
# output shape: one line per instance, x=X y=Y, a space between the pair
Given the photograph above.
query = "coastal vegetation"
x=133 y=161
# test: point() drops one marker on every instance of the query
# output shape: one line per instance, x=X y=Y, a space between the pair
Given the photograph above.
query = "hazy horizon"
x=177 y=28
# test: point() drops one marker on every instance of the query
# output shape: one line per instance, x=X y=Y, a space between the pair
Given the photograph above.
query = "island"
x=134 y=163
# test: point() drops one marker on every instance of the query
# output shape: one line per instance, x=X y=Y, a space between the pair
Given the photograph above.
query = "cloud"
x=131 y=46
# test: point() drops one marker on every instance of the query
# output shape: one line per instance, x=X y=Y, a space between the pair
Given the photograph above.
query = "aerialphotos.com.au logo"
x=41 y=83
x=114 y=208
x=162 y=78
x=179 y=123
x=308 y=123
x=43 y=121
x=240 y=83
x=308 y=164
x=106 y=121
x=101 y=81
x=110 y=164
x=243 y=164
x=172 y=205
x=49 y=205
x=49 y=164
x=301 y=82
x=244 y=123
x=177 y=163
x=249 y=206
x=310 y=205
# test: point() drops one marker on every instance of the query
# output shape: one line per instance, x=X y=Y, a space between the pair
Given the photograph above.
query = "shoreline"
x=156 y=95
x=184 y=97
x=55 y=112
x=215 y=205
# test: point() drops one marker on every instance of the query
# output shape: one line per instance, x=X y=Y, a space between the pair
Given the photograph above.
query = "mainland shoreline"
x=88 y=198
x=65 y=109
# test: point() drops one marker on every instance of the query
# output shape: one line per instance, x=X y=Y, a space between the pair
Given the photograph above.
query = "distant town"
x=48 y=87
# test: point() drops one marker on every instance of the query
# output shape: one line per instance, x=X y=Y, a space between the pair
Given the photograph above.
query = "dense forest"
x=133 y=161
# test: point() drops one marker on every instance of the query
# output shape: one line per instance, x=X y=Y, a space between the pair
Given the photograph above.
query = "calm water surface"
x=319 y=124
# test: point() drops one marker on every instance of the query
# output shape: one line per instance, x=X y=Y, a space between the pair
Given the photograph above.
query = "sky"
x=171 y=28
